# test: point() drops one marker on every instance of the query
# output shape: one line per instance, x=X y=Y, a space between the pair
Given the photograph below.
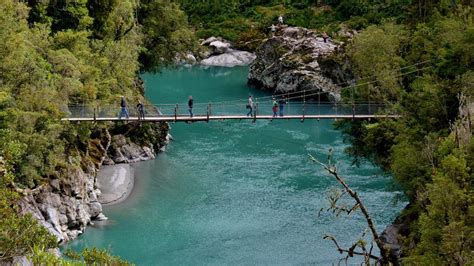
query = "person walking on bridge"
x=281 y=105
x=141 y=111
x=250 y=106
x=274 y=107
x=190 y=105
x=123 y=108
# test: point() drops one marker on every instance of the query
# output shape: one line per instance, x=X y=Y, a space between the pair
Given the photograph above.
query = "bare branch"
x=350 y=252
x=333 y=171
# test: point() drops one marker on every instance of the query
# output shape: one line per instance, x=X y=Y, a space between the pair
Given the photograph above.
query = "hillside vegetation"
x=55 y=53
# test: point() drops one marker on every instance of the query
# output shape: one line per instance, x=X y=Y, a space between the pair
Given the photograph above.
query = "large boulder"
x=297 y=59
x=230 y=59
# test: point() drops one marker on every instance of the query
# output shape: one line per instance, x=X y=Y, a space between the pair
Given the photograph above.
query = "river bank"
x=115 y=183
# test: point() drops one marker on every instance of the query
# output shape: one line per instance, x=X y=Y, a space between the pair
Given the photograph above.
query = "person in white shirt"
x=250 y=105
x=280 y=20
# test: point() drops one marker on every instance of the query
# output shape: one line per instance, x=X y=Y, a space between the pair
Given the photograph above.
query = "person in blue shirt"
x=281 y=105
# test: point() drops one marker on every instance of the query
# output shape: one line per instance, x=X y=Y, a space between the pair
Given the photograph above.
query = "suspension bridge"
x=232 y=111
x=296 y=107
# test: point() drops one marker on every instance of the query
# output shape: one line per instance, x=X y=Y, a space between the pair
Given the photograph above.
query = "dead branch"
x=333 y=171
x=350 y=252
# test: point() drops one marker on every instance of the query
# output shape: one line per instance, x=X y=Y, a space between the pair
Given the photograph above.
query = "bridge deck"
x=227 y=117
x=237 y=111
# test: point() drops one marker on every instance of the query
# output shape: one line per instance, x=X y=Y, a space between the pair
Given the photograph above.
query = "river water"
x=236 y=192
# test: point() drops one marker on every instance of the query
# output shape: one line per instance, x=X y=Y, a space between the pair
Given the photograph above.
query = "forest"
x=55 y=53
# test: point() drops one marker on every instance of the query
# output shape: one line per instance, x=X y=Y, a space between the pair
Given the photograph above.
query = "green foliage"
x=89 y=256
x=234 y=19
x=166 y=32
x=375 y=55
x=63 y=14
x=369 y=140
x=447 y=227
x=101 y=257
x=112 y=18
x=418 y=149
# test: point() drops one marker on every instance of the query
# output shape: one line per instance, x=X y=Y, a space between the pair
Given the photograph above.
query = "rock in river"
x=229 y=59
x=297 y=59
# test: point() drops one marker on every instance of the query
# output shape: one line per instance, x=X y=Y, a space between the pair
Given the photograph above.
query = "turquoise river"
x=236 y=192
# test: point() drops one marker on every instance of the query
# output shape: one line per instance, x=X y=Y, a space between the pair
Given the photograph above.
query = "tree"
x=375 y=56
x=166 y=32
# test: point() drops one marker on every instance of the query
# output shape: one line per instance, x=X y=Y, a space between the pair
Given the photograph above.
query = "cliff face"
x=296 y=59
x=66 y=205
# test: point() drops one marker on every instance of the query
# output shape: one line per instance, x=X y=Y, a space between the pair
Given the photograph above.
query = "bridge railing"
x=226 y=109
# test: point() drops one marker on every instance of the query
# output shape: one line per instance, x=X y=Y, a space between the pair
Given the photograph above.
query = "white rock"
x=95 y=208
x=233 y=58
x=62 y=219
x=209 y=40
x=219 y=47
x=73 y=234
x=101 y=217
x=82 y=215
x=190 y=58
x=59 y=236
x=53 y=218
x=21 y=261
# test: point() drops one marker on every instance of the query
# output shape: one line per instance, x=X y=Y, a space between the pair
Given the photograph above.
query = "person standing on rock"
x=250 y=106
x=325 y=37
x=281 y=105
x=274 y=107
x=273 y=29
x=190 y=105
x=123 y=108
x=141 y=111
x=280 y=20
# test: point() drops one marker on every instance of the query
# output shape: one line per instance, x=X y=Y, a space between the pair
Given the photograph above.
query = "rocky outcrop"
x=123 y=151
x=297 y=59
x=391 y=242
x=66 y=205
